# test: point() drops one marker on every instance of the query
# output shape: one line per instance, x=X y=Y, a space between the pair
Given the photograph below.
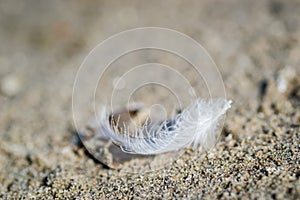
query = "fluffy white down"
x=197 y=125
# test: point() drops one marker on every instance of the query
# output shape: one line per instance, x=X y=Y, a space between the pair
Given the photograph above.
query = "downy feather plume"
x=195 y=126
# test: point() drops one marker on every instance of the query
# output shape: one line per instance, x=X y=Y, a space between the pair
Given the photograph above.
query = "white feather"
x=195 y=126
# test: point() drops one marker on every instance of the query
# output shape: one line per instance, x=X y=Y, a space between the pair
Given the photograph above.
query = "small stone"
x=10 y=85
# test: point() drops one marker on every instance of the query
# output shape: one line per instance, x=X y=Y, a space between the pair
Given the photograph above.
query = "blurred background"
x=41 y=40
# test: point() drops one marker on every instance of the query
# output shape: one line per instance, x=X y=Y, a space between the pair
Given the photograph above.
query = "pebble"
x=10 y=85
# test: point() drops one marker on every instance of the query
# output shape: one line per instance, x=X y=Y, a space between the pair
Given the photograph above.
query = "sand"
x=256 y=46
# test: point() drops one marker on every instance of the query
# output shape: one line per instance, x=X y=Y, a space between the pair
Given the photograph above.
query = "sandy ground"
x=256 y=45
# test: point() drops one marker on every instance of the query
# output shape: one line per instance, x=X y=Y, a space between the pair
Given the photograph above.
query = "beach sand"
x=256 y=46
